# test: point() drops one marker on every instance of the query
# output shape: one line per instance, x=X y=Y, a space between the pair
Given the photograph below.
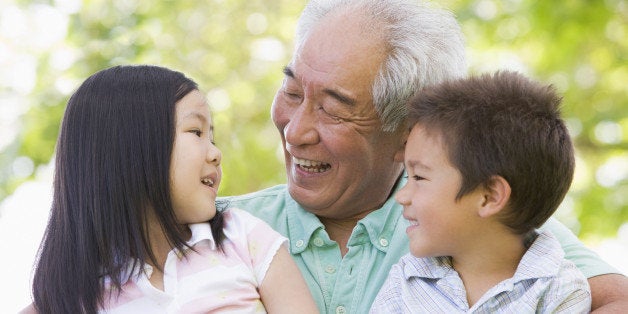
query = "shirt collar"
x=379 y=225
x=301 y=225
x=542 y=259
x=427 y=267
x=200 y=232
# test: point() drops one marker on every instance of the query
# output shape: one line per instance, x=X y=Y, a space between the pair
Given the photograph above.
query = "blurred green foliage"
x=235 y=50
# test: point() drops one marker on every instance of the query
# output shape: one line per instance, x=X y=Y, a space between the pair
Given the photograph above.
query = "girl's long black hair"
x=112 y=167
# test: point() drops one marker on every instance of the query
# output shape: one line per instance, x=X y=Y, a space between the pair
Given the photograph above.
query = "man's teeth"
x=207 y=181
x=311 y=165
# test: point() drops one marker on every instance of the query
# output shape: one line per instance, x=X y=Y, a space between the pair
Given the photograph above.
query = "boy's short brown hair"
x=507 y=125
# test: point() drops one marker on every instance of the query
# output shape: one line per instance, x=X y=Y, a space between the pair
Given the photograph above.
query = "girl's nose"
x=214 y=155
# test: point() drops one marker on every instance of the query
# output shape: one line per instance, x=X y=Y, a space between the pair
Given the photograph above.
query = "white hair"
x=425 y=46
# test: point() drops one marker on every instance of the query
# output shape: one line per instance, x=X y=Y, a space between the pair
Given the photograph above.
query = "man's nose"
x=301 y=128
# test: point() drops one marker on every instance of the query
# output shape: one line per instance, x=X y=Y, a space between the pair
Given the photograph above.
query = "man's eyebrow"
x=287 y=71
x=341 y=98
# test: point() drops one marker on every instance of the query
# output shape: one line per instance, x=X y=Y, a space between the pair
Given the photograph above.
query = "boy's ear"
x=496 y=196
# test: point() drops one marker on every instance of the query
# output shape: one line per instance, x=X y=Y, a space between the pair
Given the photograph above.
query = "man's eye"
x=332 y=116
x=293 y=95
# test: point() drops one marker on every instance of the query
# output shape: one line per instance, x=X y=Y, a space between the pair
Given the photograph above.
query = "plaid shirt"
x=544 y=282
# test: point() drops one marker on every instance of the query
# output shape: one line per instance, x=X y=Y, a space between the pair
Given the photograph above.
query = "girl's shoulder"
x=237 y=213
x=238 y=221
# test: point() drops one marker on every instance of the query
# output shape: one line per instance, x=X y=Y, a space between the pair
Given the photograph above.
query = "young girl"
x=134 y=226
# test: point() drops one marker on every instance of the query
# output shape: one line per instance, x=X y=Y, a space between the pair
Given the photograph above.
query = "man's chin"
x=308 y=199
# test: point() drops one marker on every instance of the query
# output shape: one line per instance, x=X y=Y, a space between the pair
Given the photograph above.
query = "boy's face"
x=440 y=224
x=195 y=162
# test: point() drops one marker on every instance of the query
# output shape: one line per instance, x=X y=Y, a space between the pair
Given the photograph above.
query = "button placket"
x=318 y=242
x=383 y=242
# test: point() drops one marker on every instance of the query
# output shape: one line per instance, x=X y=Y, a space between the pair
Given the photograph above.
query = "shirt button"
x=383 y=242
x=318 y=242
x=299 y=243
x=330 y=269
x=341 y=310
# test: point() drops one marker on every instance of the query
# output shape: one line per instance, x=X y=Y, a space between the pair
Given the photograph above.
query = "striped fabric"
x=207 y=280
x=544 y=282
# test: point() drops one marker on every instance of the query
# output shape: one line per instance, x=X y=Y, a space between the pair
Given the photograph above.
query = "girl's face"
x=195 y=161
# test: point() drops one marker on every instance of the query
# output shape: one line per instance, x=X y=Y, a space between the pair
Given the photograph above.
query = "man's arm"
x=609 y=293
x=609 y=289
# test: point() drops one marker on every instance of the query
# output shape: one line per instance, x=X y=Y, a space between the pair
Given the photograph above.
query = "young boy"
x=488 y=160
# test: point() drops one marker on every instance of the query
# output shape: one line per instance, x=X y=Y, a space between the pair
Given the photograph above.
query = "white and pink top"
x=206 y=280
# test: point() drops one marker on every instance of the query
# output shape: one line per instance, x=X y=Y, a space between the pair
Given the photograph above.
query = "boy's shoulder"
x=423 y=267
x=545 y=258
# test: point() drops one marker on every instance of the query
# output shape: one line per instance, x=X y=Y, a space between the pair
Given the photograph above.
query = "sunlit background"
x=235 y=50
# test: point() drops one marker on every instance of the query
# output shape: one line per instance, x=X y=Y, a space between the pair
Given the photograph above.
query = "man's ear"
x=402 y=145
x=496 y=196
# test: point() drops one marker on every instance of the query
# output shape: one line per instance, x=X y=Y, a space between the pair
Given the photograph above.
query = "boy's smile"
x=439 y=222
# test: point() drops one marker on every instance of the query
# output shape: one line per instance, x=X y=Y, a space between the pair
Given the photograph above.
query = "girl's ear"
x=496 y=196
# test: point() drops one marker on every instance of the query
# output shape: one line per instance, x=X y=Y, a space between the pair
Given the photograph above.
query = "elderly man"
x=340 y=112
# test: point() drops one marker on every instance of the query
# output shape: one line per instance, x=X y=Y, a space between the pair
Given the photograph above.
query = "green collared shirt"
x=350 y=284
x=338 y=285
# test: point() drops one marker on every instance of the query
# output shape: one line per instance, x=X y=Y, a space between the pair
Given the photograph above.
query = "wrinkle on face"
x=324 y=112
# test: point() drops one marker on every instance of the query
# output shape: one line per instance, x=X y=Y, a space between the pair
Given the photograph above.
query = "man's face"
x=339 y=163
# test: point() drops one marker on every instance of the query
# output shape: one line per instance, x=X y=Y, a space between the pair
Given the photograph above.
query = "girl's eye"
x=197 y=132
x=417 y=178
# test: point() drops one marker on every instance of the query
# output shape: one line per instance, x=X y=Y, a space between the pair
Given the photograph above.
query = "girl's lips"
x=211 y=180
x=208 y=181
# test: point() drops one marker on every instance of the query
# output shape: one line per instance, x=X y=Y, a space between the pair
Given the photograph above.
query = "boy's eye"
x=417 y=178
x=414 y=177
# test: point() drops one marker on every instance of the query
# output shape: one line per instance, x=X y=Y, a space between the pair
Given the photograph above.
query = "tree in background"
x=235 y=50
